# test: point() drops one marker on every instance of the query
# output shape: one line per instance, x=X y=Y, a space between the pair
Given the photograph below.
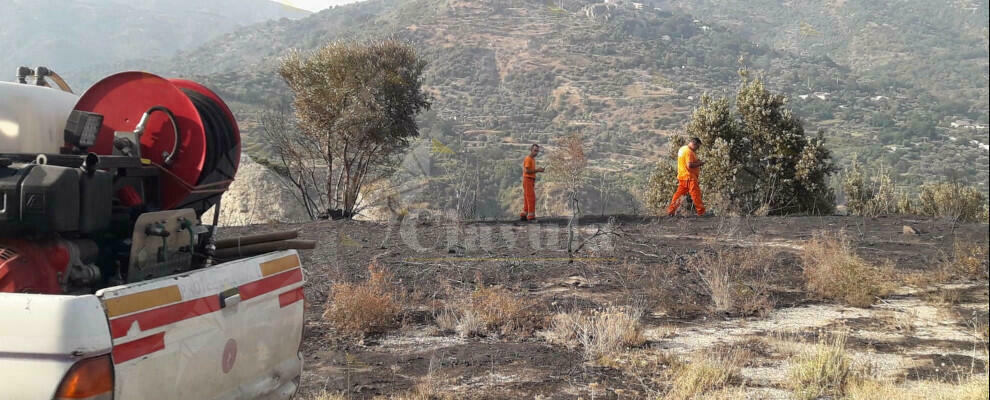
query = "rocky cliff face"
x=258 y=196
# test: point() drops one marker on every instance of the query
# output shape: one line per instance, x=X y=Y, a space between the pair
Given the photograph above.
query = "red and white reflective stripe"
x=169 y=314
x=292 y=296
x=136 y=348
x=268 y=284
x=148 y=310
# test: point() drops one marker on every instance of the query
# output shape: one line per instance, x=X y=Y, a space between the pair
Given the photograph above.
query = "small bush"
x=365 y=307
x=869 y=196
x=824 y=372
x=833 y=271
x=599 y=332
x=705 y=375
x=951 y=200
x=969 y=260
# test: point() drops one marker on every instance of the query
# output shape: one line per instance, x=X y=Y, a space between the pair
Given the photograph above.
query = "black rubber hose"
x=221 y=140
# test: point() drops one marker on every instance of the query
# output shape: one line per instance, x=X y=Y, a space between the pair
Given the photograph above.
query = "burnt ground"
x=630 y=261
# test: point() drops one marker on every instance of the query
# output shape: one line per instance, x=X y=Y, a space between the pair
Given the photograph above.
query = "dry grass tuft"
x=738 y=280
x=706 y=376
x=325 y=395
x=943 y=297
x=489 y=310
x=422 y=391
x=364 y=307
x=496 y=307
x=600 y=333
x=833 y=271
x=899 y=321
x=825 y=371
x=972 y=388
x=447 y=319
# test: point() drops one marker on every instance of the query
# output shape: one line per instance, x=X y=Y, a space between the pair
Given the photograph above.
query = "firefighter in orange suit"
x=688 y=167
x=529 y=184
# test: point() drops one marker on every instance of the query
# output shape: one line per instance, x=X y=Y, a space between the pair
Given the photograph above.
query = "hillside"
x=938 y=45
x=86 y=39
x=624 y=75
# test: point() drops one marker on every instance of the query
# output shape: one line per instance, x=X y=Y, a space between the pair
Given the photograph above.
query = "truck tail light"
x=90 y=379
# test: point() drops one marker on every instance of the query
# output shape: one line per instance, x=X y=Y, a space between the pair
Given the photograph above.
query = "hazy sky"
x=315 y=5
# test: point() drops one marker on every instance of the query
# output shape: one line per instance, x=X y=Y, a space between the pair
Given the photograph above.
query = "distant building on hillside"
x=966 y=124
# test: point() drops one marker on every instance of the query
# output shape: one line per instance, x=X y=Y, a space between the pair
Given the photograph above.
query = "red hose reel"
x=209 y=149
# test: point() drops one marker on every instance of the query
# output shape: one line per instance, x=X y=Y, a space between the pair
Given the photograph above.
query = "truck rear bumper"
x=280 y=383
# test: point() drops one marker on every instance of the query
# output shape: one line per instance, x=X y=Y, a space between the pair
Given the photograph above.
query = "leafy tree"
x=759 y=159
x=357 y=102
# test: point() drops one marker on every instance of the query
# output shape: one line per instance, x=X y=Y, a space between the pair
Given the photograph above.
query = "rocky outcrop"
x=257 y=196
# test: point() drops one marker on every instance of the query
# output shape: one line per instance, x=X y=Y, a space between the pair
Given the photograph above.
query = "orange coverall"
x=687 y=182
x=529 y=189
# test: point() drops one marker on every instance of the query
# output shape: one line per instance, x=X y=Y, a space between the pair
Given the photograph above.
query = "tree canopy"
x=359 y=103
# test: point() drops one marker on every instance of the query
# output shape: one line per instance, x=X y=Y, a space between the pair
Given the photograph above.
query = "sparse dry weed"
x=642 y=365
x=902 y=321
x=943 y=297
x=971 y=388
x=737 y=280
x=365 y=307
x=489 y=310
x=447 y=319
x=325 y=395
x=705 y=376
x=598 y=332
x=833 y=271
x=428 y=389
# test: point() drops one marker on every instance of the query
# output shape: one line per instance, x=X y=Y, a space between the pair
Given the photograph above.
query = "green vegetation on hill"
x=937 y=45
x=626 y=76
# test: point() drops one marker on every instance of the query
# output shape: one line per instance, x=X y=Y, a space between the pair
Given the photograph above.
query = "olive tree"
x=356 y=105
x=759 y=159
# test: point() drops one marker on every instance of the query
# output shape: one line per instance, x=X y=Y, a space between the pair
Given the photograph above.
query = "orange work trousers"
x=529 y=198
x=687 y=187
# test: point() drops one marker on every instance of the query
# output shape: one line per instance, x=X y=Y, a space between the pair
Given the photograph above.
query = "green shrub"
x=951 y=200
x=869 y=196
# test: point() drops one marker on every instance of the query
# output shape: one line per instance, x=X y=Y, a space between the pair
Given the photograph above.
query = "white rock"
x=257 y=196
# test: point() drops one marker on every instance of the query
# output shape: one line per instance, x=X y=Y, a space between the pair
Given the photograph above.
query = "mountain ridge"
x=85 y=40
